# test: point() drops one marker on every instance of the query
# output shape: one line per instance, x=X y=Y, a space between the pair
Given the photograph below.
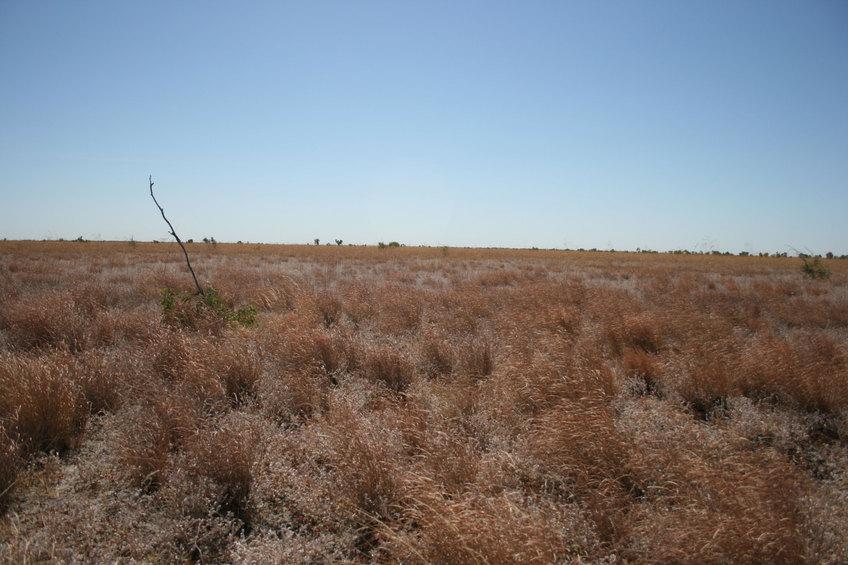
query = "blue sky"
x=656 y=124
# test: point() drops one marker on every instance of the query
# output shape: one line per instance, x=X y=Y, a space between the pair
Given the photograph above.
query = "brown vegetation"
x=421 y=405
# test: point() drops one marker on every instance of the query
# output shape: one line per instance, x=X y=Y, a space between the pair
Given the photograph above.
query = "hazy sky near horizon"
x=655 y=124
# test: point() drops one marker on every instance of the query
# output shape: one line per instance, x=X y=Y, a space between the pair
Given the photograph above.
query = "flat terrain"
x=419 y=405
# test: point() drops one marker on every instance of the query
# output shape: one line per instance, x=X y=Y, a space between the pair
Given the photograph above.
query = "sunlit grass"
x=421 y=405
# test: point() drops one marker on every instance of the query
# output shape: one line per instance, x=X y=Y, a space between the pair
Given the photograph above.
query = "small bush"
x=813 y=268
x=193 y=311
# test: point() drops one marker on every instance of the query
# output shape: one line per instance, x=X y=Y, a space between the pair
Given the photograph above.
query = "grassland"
x=421 y=405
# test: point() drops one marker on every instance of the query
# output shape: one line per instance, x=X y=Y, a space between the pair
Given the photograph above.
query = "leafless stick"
x=173 y=233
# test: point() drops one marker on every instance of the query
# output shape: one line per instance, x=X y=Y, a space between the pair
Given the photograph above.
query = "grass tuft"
x=43 y=407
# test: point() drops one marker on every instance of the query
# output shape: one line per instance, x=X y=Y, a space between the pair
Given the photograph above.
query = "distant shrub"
x=191 y=310
x=812 y=268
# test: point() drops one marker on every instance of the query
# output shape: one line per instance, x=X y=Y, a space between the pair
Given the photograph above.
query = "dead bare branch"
x=174 y=233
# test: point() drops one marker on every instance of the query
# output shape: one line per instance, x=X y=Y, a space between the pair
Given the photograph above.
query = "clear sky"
x=719 y=125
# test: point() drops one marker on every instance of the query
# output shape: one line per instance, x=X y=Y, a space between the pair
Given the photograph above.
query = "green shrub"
x=187 y=310
x=812 y=268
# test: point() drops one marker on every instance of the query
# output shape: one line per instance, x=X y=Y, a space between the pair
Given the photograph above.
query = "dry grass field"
x=420 y=405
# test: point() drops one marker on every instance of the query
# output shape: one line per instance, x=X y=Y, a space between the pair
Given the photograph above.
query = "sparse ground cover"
x=421 y=405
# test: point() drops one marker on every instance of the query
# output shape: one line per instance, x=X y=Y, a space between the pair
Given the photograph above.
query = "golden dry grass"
x=421 y=405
